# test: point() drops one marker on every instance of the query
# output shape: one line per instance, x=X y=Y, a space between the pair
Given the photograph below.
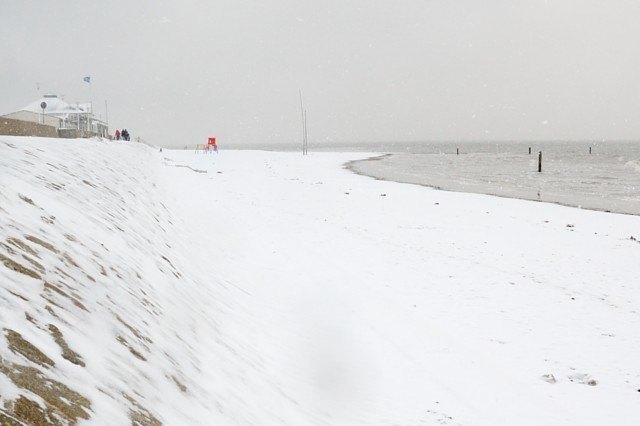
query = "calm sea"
x=607 y=178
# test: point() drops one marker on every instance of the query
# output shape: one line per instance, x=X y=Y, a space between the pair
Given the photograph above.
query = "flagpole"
x=87 y=79
x=91 y=94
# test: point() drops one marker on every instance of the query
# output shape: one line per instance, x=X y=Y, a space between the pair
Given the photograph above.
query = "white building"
x=60 y=114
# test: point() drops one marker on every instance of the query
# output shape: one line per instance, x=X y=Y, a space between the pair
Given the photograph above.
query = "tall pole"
x=106 y=113
x=306 y=136
x=303 y=122
x=90 y=116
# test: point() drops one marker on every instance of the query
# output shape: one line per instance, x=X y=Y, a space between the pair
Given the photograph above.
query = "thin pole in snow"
x=306 y=139
x=304 y=130
x=306 y=134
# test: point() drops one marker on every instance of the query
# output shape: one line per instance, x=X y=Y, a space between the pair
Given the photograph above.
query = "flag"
x=87 y=79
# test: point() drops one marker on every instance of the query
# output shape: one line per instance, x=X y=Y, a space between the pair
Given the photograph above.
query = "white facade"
x=61 y=115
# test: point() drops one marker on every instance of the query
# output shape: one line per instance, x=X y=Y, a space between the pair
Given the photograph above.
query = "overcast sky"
x=175 y=72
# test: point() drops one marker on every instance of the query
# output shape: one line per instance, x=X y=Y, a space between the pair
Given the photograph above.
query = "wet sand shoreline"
x=366 y=167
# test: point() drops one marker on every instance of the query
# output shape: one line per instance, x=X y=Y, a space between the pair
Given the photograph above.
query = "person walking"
x=117 y=135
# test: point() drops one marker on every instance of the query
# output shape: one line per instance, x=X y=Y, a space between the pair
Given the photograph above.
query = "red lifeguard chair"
x=212 y=144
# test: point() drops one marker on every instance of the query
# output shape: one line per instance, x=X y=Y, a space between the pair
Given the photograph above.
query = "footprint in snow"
x=442 y=418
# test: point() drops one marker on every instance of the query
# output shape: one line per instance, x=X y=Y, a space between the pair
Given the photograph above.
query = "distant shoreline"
x=353 y=166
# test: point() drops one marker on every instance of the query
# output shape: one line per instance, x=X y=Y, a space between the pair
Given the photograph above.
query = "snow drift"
x=103 y=313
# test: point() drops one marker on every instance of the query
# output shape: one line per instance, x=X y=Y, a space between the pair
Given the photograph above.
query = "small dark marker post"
x=457 y=151
x=589 y=150
x=529 y=150
x=540 y=162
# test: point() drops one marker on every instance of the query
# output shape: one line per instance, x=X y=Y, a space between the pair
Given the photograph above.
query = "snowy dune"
x=268 y=288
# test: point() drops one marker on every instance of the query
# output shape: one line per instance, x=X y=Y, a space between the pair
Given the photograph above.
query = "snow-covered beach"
x=269 y=288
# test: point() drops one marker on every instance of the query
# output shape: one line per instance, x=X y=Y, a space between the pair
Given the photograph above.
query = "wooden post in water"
x=457 y=151
x=540 y=162
x=529 y=150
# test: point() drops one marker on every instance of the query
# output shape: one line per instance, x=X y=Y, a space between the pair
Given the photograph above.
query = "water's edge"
x=352 y=167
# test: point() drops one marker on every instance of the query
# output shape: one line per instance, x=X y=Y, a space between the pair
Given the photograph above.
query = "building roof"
x=56 y=106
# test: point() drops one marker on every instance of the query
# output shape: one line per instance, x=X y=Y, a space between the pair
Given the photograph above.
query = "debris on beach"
x=549 y=378
x=583 y=378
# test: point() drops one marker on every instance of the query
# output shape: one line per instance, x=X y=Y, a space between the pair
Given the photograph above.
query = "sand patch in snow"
x=140 y=415
x=133 y=330
x=19 y=345
x=59 y=399
x=133 y=351
x=24 y=246
x=26 y=199
x=67 y=352
x=53 y=288
x=17 y=267
x=179 y=384
x=42 y=243
x=31 y=412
